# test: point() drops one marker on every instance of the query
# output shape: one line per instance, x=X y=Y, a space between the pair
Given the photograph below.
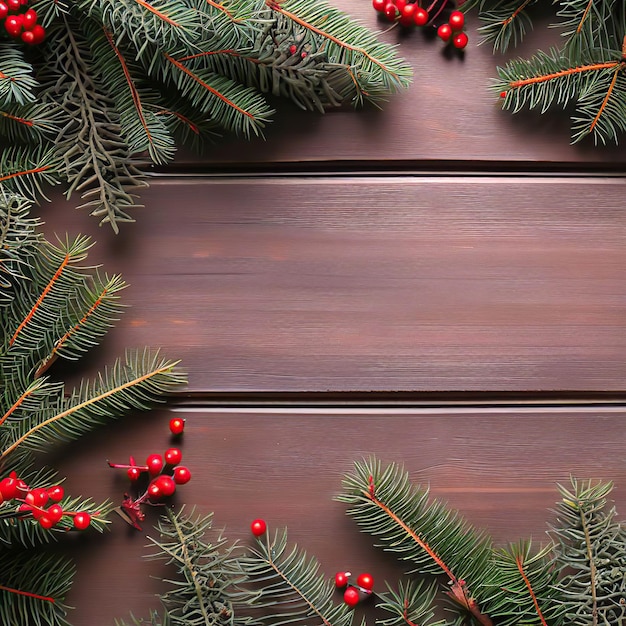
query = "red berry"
x=258 y=527
x=420 y=17
x=39 y=34
x=155 y=464
x=456 y=20
x=407 y=15
x=460 y=41
x=173 y=456
x=351 y=596
x=13 y=25
x=37 y=497
x=293 y=48
x=46 y=522
x=444 y=32
x=181 y=475
x=365 y=581
x=82 y=520
x=379 y=5
x=14 y=5
x=154 y=491
x=54 y=513
x=303 y=55
x=30 y=19
x=177 y=424
x=166 y=485
x=56 y=493
x=133 y=473
x=28 y=37
x=8 y=488
x=390 y=11
x=400 y=4
x=341 y=579
x=503 y=94
x=4 y=10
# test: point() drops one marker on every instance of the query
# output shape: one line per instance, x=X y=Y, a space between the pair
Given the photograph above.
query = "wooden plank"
x=448 y=114
x=376 y=284
x=498 y=466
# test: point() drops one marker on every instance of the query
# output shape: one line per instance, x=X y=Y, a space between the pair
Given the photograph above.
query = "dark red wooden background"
x=438 y=283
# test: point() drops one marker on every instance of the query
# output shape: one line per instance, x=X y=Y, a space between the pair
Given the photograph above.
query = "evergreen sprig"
x=121 y=83
x=53 y=307
x=434 y=539
x=209 y=588
x=292 y=589
x=591 y=555
x=587 y=73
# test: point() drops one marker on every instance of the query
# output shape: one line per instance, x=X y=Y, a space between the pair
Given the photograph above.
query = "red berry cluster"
x=164 y=473
x=354 y=593
x=20 y=22
x=33 y=502
x=409 y=13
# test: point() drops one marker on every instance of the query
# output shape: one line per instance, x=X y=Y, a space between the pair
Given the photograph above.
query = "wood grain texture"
x=449 y=114
x=377 y=283
x=497 y=466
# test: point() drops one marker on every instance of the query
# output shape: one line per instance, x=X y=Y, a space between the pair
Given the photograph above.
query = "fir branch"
x=523 y=591
x=24 y=171
x=291 y=587
x=591 y=555
x=425 y=532
x=96 y=162
x=43 y=581
x=136 y=384
x=208 y=590
x=17 y=84
x=411 y=605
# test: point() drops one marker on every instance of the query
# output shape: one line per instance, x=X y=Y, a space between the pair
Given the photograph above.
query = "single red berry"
x=444 y=32
x=13 y=25
x=46 y=522
x=21 y=489
x=181 y=475
x=28 y=37
x=82 y=520
x=421 y=16
x=400 y=4
x=155 y=464
x=341 y=579
x=154 y=491
x=30 y=19
x=4 y=10
x=177 y=424
x=173 y=456
x=258 y=527
x=8 y=488
x=39 y=34
x=166 y=485
x=54 y=513
x=456 y=20
x=460 y=40
x=303 y=55
x=56 y=493
x=351 y=596
x=503 y=94
x=365 y=581
x=407 y=15
x=37 y=497
x=293 y=48
x=379 y=5
x=14 y=5
x=133 y=474
x=390 y=11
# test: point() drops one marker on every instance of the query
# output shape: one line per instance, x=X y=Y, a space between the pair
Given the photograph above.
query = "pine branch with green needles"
x=432 y=538
x=53 y=307
x=591 y=555
x=121 y=84
x=587 y=73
